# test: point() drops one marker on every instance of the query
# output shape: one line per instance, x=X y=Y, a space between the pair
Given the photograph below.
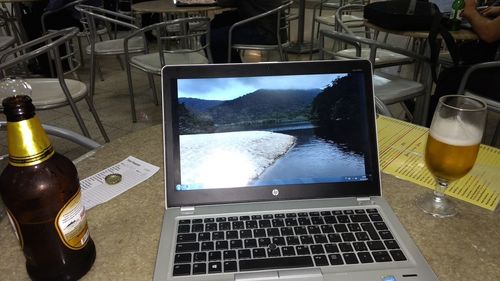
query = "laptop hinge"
x=364 y=200
x=187 y=210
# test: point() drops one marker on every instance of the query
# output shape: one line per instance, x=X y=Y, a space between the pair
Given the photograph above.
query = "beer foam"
x=455 y=132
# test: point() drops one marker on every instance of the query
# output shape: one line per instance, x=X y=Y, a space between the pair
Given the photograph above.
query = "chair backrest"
x=69 y=57
x=64 y=134
x=462 y=88
x=349 y=19
x=93 y=17
x=182 y=35
x=22 y=55
x=286 y=17
x=327 y=5
x=48 y=13
x=475 y=67
x=282 y=26
x=333 y=5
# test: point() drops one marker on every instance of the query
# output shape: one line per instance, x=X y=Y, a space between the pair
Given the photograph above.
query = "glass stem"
x=440 y=188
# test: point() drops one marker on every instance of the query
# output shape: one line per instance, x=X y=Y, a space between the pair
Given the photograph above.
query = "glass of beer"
x=452 y=146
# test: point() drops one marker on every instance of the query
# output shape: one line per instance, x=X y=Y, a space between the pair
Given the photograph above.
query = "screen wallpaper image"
x=271 y=130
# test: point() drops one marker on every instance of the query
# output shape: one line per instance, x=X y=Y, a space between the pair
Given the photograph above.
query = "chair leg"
x=407 y=111
x=82 y=60
x=93 y=65
x=90 y=103
x=76 y=112
x=408 y=42
x=153 y=88
x=101 y=76
x=77 y=76
x=120 y=62
x=131 y=92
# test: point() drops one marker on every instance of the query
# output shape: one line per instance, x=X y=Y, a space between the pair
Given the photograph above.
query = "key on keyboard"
x=286 y=240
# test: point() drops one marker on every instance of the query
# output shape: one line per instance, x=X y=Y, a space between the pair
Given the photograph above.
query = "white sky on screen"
x=231 y=88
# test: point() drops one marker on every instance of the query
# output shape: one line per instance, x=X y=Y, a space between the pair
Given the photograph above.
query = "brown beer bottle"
x=41 y=192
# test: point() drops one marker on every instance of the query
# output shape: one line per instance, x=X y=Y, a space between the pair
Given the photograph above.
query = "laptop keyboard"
x=211 y=245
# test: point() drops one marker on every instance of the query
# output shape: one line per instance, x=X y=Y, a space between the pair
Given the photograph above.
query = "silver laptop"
x=271 y=173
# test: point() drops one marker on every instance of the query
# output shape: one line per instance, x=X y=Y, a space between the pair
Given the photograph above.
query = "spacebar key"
x=275 y=263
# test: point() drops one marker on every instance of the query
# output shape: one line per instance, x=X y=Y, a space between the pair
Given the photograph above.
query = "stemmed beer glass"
x=452 y=146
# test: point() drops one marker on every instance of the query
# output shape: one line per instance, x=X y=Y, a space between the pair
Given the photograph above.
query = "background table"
x=126 y=229
x=164 y=6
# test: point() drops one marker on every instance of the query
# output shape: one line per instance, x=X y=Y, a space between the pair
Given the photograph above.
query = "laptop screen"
x=249 y=130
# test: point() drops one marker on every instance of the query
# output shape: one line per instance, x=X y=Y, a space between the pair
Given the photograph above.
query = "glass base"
x=438 y=206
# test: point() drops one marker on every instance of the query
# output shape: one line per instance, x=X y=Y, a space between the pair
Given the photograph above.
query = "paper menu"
x=401 y=153
x=96 y=191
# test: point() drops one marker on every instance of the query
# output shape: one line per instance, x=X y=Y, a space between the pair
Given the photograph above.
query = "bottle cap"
x=112 y=179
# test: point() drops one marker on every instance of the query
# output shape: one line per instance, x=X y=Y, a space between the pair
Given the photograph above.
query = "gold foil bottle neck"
x=28 y=143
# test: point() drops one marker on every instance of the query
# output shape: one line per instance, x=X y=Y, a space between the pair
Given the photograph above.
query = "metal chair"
x=9 y=25
x=7 y=38
x=178 y=42
x=390 y=89
x=282 y=30
x=381 y=108
x=54 y=13
x=493 y=105
x=83 y=33
x=345 y=22
x=49 y=93
x=93 y=17
x=64 y=134
x=320 y=18
x=290 y=17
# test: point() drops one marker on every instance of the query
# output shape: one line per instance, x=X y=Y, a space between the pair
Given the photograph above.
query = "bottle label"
x=15 y=226
x=456 y=14
x=28 y=143
x=71 y=223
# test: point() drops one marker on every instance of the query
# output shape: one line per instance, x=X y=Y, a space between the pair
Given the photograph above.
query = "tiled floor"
x=113 y=106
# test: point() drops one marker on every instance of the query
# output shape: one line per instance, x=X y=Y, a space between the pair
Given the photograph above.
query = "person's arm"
x=487 y=29
x=491 y=11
